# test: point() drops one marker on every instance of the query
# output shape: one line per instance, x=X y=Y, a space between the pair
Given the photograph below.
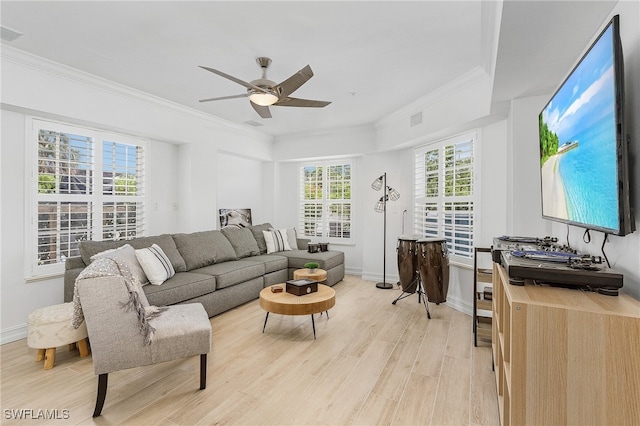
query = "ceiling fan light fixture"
x=262 y=98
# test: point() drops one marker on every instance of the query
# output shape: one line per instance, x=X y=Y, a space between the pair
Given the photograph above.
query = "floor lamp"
x=381 y=207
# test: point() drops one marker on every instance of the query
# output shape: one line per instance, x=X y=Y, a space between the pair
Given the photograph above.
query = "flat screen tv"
x=583 y=145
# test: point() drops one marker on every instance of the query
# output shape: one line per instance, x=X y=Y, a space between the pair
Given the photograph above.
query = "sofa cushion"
x=233 y=272
x=257 y=234
x=242 y=241
x=326 y=259
x=224 y=249
x=182 y=286
x=164 y=241
x=272 y=262
x=204 y=248
x=198 y=249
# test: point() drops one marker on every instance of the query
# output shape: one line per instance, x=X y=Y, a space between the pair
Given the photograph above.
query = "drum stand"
x=422 y=296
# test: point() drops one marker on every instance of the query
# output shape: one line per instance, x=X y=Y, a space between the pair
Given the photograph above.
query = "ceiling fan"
x=263 y=92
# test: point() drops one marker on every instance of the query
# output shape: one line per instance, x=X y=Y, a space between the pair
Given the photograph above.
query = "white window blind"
x=326 y=201
x=88 y=186
x=444 y=193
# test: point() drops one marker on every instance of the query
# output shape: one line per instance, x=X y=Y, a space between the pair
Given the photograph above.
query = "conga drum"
x=407 y=263
x=433 y=264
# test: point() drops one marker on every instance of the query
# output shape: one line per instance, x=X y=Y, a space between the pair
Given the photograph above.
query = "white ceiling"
x=370 y=58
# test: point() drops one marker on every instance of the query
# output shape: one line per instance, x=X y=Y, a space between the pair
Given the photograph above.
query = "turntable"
x=546 y=262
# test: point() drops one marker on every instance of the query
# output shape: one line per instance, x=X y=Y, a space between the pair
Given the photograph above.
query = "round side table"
x=319 y=275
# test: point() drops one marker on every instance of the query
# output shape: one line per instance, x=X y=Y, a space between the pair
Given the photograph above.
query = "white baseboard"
x=460 y=305
x=14 y=333
x=377 y=277
x=456 y=303
x=353 y=271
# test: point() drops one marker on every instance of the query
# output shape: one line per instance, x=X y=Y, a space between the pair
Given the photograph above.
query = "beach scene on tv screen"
x=578 y=143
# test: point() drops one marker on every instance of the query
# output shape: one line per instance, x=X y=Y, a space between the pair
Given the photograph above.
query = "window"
x=444 y=193
x=88 y=186
x=326 y=201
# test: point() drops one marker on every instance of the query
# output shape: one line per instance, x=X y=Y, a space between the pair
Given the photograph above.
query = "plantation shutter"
x=444 y=193
x=86 y=188
x=325 y=211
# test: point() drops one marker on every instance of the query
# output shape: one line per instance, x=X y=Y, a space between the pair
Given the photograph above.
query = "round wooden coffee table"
x=284 y=303
x=319 y=275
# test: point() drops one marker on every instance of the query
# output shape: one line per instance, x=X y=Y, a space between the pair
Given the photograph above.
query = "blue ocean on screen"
x=589 y=176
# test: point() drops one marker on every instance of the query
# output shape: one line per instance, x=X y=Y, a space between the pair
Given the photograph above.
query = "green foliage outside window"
x=125 y=185
x=313 y=183
x=431 y=173
x=46 y=183
x=458 y=176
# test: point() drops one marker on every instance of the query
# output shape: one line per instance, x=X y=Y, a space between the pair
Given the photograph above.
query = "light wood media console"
x=565 y=356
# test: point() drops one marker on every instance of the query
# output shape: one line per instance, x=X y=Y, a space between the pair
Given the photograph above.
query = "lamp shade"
x=379 y=207
x=377 y=184
x=393 y=194
x=263 y=98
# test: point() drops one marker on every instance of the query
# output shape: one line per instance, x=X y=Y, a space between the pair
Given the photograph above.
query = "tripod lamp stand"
x=381 y=207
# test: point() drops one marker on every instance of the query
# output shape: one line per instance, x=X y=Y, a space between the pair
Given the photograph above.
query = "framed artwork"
x=239 y=218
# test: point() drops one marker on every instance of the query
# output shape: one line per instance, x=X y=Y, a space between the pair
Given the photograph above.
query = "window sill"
x=460 y=264
x=45 y=277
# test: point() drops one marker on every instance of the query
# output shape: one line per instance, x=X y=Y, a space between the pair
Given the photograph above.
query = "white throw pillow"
x=292 y=237
x=127 y=254
x=156 y=264
x=276 y=240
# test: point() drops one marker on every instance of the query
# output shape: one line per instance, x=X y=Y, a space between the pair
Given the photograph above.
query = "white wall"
x=240 y=185
x=493 y=183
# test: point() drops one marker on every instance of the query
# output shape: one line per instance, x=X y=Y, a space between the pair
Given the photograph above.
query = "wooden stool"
x=50 y=327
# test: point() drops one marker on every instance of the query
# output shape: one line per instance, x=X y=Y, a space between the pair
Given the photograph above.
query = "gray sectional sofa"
x=220 y=269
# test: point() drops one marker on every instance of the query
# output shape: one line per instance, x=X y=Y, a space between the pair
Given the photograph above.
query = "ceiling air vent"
x=415 y=119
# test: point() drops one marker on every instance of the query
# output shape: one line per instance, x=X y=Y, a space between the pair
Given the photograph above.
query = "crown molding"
x=46 y=66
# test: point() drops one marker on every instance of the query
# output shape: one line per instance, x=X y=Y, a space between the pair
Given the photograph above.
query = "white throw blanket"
x=110 y=267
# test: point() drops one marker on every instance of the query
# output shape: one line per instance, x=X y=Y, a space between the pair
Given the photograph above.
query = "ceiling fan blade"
x=296 y=102
x=263 y=111
x=232 y=78
x=294 y=82
x=224 y=97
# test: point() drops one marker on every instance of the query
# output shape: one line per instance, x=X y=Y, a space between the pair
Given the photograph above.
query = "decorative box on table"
x=302 y=287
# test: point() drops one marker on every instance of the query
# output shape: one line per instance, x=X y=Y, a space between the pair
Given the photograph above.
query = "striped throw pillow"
x=156 y=265
x=276 y=240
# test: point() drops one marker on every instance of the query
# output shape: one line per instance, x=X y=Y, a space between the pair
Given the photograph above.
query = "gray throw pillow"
x=257 y=234
x=198 y=249
x=242 y=240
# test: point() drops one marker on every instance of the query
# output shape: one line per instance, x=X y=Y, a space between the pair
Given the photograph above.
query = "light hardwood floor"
x=373 y=363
